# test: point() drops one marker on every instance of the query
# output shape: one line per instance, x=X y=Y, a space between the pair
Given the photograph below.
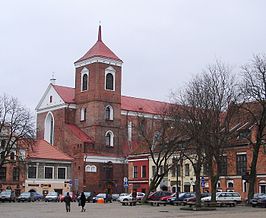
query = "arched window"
x=91 y=169
x=109 y=138
x=109 y=113
x=84 y=79
x=83 y=114
x=49 y=128
x=110 y=79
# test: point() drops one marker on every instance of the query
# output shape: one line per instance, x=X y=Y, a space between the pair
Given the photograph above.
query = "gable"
x=45 y=100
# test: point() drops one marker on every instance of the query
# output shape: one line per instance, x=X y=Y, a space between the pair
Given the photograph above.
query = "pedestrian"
x=67 y=200
x=82 y=202
x=134 y=195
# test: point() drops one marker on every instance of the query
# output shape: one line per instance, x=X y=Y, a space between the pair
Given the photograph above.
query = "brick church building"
x=92 y=122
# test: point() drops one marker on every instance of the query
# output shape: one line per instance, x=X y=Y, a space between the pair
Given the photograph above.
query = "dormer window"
x=109 y=112
x=110 y=79
x=109 y=138
x=84 y=79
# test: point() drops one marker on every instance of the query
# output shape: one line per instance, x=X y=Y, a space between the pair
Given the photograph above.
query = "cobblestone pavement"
x=116 y=210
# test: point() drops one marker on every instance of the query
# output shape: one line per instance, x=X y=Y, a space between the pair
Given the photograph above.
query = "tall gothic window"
x=84 y=79
x=109 y=113
x=49 y=128
x=83 y=114
x=109 y=81
x=109 y=138
x=110 y=78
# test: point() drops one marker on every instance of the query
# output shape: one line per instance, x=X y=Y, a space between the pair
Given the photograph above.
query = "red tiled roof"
x=143 y=105
x=79 y=133
x=127 y=103
x=66 y=93
x=43 y=150
x=99 y=50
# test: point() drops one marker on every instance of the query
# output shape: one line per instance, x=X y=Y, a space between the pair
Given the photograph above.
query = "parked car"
x=37 y=196
x=166 y=198
x=181 y=197
x=256 y=197
x=122 y=195
x=156 y=196
x=140 y=196
x=71 y=194
x=115 y=197
x=26 y=196
x=193 y=198
x=88 y=196
x=7 y=196
x=225 y=196
x=101 y=195
x=52 y=196
x=262 y=201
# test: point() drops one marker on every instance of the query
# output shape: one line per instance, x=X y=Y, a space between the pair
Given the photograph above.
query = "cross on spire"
x=100 y=33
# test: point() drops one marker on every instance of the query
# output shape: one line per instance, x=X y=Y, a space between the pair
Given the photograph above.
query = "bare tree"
x=16 y=129
x=253 y=89
x=162 y=140
x=209 y=100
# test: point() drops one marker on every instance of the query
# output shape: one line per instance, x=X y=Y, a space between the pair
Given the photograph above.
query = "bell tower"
x=98 y=97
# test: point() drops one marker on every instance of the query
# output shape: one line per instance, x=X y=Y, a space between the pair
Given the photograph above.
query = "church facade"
x=93 y=122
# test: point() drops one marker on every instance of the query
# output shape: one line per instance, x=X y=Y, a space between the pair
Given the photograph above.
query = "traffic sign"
x=202 y=182
x=125 y=182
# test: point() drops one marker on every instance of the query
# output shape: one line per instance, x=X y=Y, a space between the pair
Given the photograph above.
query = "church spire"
x=100 y=33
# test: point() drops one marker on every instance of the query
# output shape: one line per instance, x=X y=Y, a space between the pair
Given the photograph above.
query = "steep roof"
x=43 y=150
x=66 y=93
x=127 y=103
x=143 y=105
x=99 y=50
x=79 y=133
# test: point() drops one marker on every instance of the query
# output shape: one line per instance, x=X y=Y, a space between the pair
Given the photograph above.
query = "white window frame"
x=83 y=72
x=83 y=112
x=91 y=169
x=129 y=131
x=133 y=176
x=65 y=172
x=112 y=138
x=47 y=128
x=112 y=71
x=142 y=171
x=111 y=112
x=52 y=173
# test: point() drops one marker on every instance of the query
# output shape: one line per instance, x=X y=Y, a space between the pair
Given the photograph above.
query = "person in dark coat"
x=67 y=200
x=82 y=202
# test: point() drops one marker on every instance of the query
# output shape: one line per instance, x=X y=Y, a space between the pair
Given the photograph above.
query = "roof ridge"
x=146 y=99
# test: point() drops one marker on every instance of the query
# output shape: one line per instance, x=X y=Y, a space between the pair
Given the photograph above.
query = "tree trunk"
x=197 y=187
x=253 y=172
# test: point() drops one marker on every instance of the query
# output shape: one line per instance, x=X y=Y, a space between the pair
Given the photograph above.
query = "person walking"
x=67 y=200
x=82 y=202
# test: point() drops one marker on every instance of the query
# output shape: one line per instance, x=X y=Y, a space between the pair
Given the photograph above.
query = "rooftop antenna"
x=52 y=80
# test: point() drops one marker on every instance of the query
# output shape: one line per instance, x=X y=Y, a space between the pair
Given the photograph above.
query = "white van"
x=225 y=196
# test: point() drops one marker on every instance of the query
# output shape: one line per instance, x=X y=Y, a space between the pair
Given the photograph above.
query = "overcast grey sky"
x=162 y=43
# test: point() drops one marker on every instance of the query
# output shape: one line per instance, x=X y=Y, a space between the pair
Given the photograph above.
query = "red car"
x=71 y=194
x=165 y=198
x=156 y=196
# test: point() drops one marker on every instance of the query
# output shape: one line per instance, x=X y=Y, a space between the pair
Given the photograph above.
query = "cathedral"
x=92 y=122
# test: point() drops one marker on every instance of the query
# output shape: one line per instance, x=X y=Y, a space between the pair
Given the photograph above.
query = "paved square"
x=116 y=210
